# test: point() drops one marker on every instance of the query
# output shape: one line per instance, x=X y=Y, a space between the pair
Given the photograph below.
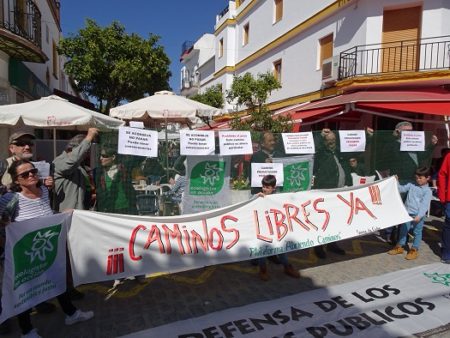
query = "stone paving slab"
x=133 y=306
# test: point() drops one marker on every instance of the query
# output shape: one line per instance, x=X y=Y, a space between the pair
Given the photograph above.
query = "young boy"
x=417 y=203
x=269 y=185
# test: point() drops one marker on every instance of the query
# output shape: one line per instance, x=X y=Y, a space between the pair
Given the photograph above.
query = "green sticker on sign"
x=207 y=178
x=296 y=177
x=35 y=253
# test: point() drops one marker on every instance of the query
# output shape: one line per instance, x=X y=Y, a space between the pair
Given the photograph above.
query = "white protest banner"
x=235 y=143
x=35 y=263
x=352 y=140
x=138 y=142
x=406 y=303
x=297 y=172
x=279 y=223
x=299 y=143
x=197 y=142
x=259 y=170
x=412 y=141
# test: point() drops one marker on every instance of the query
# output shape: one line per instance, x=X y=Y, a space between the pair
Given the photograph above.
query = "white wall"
x=359 y=23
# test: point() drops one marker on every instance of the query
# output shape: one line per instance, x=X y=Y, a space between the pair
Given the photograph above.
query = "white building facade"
x=30 y=66
x=323 y=48
x=198 y=64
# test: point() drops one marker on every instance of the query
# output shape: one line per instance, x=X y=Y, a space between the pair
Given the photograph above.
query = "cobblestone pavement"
x=133 y=306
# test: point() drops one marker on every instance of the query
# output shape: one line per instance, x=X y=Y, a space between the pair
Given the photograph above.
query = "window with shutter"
x=326 y=48
x=278 y=10
x=401 y=34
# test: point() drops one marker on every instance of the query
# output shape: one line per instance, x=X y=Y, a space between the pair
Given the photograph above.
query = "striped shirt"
x=28 y=207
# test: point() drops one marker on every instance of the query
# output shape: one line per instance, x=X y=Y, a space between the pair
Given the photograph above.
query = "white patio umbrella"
x=54 y=112
x=165 y=107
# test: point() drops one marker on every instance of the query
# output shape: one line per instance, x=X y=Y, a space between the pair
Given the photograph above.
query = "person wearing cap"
x=70 y=175
x=21 y=148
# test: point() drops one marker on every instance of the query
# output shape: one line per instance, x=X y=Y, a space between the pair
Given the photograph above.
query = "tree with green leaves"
x=111 y=65
x=212 y=96
x=253 y=94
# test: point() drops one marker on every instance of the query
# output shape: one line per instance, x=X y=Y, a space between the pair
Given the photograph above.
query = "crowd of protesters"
x=109 y=188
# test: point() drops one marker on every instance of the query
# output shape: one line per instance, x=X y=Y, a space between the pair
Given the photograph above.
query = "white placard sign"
x=259 y=170
x=35 y=263
x=139 y=142
x=235 y=143
x=137 y=124
x=298 y=143
x=43 y=168
x=352 y=140
x=197 y=142
x=412 y=141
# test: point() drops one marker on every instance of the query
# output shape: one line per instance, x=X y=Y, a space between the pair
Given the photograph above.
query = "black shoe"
x=74 y=294
x=274 y=259
x=320 y=252
x=333 y=247
x=45 y=307
x=5 y=327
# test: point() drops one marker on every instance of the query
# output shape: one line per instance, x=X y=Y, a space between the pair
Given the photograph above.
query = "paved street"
x=133 y=306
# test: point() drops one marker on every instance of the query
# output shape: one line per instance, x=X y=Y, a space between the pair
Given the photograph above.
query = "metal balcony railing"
x=23 y=18
x=401 y=56
x=224 y=12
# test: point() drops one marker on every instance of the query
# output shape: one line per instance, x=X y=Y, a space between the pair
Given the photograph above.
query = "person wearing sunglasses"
x=21 y=147
x=29 y=199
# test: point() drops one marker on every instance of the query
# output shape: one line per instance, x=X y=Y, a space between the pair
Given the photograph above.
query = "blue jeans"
x=282 y=257
x=446 y=234
x=417 y=231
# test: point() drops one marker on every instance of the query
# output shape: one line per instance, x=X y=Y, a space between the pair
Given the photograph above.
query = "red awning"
x=436 y=102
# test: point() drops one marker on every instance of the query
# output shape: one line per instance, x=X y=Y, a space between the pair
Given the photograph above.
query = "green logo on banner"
x=296 y=177
x=440 y=278
x=207 y=178
x=35 y=253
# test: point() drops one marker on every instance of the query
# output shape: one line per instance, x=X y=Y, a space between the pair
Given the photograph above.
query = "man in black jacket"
x=331 y=170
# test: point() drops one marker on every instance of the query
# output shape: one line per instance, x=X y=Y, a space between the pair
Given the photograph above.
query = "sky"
x=175 y=21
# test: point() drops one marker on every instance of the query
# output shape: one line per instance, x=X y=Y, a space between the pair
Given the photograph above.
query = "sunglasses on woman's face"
x=105 y=155
x=27 y=173
x=23 y=143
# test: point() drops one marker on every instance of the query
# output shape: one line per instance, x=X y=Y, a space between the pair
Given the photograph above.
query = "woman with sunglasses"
x=32 y=200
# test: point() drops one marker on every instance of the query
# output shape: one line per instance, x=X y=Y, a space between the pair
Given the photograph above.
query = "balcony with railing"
x=223 y=13
x=403 y=56
x=20 y=30
x=228 y=13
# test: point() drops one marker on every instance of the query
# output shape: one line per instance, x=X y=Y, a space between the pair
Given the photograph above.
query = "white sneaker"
x=79 y=316
x=32 y=334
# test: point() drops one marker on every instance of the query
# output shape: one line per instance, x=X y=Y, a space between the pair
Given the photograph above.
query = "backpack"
x=10 y=212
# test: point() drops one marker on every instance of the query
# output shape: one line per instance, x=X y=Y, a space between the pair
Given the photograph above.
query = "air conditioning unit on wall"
x=330 y=70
